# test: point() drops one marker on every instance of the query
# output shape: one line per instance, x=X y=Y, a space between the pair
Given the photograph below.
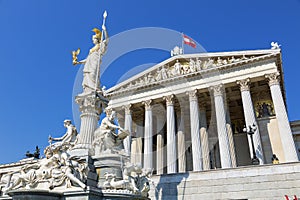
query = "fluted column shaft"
x=230 y=137
x=160 y=154
x=148 y=141
x=289 y=149
x=128 y=127
x=90 y=107
x=160 y=145
x=221 y=126
x=250 y=119
x=204 y=137
x=181 y=143
x=136 y=146
x=195 y=131
x=171 y=137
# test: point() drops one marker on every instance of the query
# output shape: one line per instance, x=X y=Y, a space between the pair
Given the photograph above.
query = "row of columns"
x=199 y=136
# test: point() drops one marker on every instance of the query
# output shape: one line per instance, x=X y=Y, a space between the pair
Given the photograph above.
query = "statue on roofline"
x=91 y=70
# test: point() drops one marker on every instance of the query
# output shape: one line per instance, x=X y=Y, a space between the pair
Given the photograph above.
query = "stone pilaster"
x=171 y=136
x=91 y=106
x=204 y=137
x=250 y=119
x=221 y=126
x=289 y=149
x=195 y=131
x=230 y=135
x=148 y=133
x=127 y=126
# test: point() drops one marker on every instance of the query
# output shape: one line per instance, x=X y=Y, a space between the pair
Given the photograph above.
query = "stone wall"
x=251 y=182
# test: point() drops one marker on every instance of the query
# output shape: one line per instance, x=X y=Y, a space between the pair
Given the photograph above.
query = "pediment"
x=188 y=65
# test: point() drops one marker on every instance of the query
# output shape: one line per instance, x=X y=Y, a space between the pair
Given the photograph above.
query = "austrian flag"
x=189 y=41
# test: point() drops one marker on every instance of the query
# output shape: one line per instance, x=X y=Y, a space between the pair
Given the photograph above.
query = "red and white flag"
x=189 y=41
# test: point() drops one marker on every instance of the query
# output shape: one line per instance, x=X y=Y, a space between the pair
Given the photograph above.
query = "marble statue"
x=106 y=139
x=92 y=63
x=177 y=68
x=112 y=183
x=176 y=51
x=164 y=73
x=192 y=66
x=56 y=169
x=68 y=140
x=198 y=64
x=275 y=45
x=138 y=178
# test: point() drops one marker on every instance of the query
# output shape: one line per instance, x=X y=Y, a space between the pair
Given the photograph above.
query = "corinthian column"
x=127 y=126
x=250 y=119
x=90 y=106
x=148 y=141
x=195 y=131
x=289 y=149
x=171 y=137
x=221 y=126
x=204 y=137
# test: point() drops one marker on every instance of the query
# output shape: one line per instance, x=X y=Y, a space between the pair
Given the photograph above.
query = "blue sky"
x=37 y=36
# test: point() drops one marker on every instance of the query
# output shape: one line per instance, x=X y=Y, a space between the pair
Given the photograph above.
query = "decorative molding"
x=169 y=100
x=186 y=68
x=90 y=104
x=273 y=78
x=127 y=109
x=217 y=89
x=244 y=84
x=192 y=95
x=148 y=104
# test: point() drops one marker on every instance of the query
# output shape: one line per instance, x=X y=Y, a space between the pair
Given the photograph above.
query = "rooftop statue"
x=275 y=45
x=92 y=63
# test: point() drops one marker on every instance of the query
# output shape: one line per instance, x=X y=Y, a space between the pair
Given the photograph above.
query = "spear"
x=100 y=58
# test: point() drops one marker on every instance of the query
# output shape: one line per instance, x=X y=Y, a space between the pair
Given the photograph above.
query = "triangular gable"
x=189 y=65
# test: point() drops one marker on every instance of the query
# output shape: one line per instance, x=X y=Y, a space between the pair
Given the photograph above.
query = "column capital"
x=217 y=89
x=192 y=95
x=169 y=100
x=127 y=109
x=148 y=104
x=273 y=78
x=90 y=104
x=244 y=84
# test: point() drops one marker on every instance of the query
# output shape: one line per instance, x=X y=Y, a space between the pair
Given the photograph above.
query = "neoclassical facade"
x=188 y=112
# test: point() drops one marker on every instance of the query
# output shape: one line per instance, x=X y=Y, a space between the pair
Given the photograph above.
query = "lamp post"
x=250 y=131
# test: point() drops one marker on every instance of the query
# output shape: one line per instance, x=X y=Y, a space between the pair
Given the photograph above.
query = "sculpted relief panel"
x=182 y=68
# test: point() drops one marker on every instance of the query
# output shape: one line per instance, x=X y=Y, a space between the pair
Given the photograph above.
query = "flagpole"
x=182 y=47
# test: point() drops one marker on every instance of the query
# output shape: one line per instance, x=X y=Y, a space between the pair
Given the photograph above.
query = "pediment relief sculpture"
x=183 y=67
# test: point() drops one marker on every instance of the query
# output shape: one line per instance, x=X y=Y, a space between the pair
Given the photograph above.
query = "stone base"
x=89 y=194
x=34 y=195
x=110 y=163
